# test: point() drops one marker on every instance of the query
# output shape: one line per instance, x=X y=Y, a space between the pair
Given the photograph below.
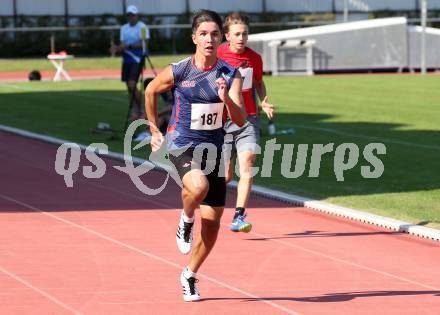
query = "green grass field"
x=402 y=112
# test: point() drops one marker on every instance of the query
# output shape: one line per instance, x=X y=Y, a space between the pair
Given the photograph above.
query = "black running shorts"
x=185 y=162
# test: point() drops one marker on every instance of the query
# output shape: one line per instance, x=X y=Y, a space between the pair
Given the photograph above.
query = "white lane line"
x=150 y=255
x=275 y=240
x=346 y=262
x=361 y=136
x=310 y=251
x=302 y=248
x=329 y=130
x=45 y=294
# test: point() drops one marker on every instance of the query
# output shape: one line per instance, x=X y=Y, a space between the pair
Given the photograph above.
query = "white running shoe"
x=190 y=292
x=184 y=236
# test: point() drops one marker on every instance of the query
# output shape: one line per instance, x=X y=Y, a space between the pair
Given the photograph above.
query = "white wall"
x=159 y=6
x=224 y=6
x=434 y=4
x=7 y=7
x=299 y=6
x=97 y=7
x=40 y=7
x=372 y=5
x=90 y=7
x=375 y=5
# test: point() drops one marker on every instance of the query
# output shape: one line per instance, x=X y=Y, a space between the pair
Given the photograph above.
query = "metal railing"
x=115 y=28
x=172 y=27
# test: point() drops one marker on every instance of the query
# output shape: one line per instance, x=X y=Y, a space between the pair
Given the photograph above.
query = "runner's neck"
x=203 y=62
x=237 y=51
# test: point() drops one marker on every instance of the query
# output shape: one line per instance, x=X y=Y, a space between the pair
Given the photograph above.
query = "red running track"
x=102 y=247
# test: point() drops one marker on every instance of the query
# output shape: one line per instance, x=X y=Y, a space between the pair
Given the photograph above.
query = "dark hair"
x=235 y=18
x=206 y=16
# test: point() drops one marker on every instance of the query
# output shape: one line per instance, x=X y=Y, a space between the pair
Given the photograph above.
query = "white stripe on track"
x=162 y=203
x=369 y=138
x=150 y=255
x=43 y=293
x=346 y=262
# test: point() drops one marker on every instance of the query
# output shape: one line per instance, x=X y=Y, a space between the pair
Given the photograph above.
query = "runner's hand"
x=267 y=108
x=222 y=90
x=156 y=141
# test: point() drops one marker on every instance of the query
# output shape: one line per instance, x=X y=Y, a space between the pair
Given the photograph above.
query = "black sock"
x=239 y=211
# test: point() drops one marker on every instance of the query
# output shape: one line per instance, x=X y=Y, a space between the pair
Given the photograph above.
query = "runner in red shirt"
x=244 y=139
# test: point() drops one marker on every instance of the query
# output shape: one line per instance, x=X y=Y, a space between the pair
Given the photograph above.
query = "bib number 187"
x=209 y=119
x=206 y=116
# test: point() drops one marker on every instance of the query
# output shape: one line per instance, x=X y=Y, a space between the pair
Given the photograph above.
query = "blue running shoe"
x=240 y=225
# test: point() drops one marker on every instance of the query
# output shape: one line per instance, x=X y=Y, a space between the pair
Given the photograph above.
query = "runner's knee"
x=246 y=166
x=199 y=192
x=210 y=226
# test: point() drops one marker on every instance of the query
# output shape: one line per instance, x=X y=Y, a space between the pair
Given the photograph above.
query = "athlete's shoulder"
x=182 y=62
x=181 y=67
x=254 y=57
x=223 y=63
x=252 y=53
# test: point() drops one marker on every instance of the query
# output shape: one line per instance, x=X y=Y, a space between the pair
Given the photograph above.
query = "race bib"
x=206 y=116
x=247 y=75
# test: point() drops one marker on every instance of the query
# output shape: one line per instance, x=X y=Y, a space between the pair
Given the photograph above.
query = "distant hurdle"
x=279 y=49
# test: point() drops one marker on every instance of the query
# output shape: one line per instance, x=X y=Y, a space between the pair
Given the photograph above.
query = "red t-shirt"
x=250 y=65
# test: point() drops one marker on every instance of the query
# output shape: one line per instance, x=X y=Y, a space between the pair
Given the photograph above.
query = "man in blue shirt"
x=133 y=36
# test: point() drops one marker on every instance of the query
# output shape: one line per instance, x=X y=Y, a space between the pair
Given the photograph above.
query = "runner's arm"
x=265 y=105
x=163 y=82
x=234 y=101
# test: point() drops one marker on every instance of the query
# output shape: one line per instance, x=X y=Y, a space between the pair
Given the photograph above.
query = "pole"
x=424 y=9
x=52 y=42
x=66 y=13
x=345 y=10
x=14 y=7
